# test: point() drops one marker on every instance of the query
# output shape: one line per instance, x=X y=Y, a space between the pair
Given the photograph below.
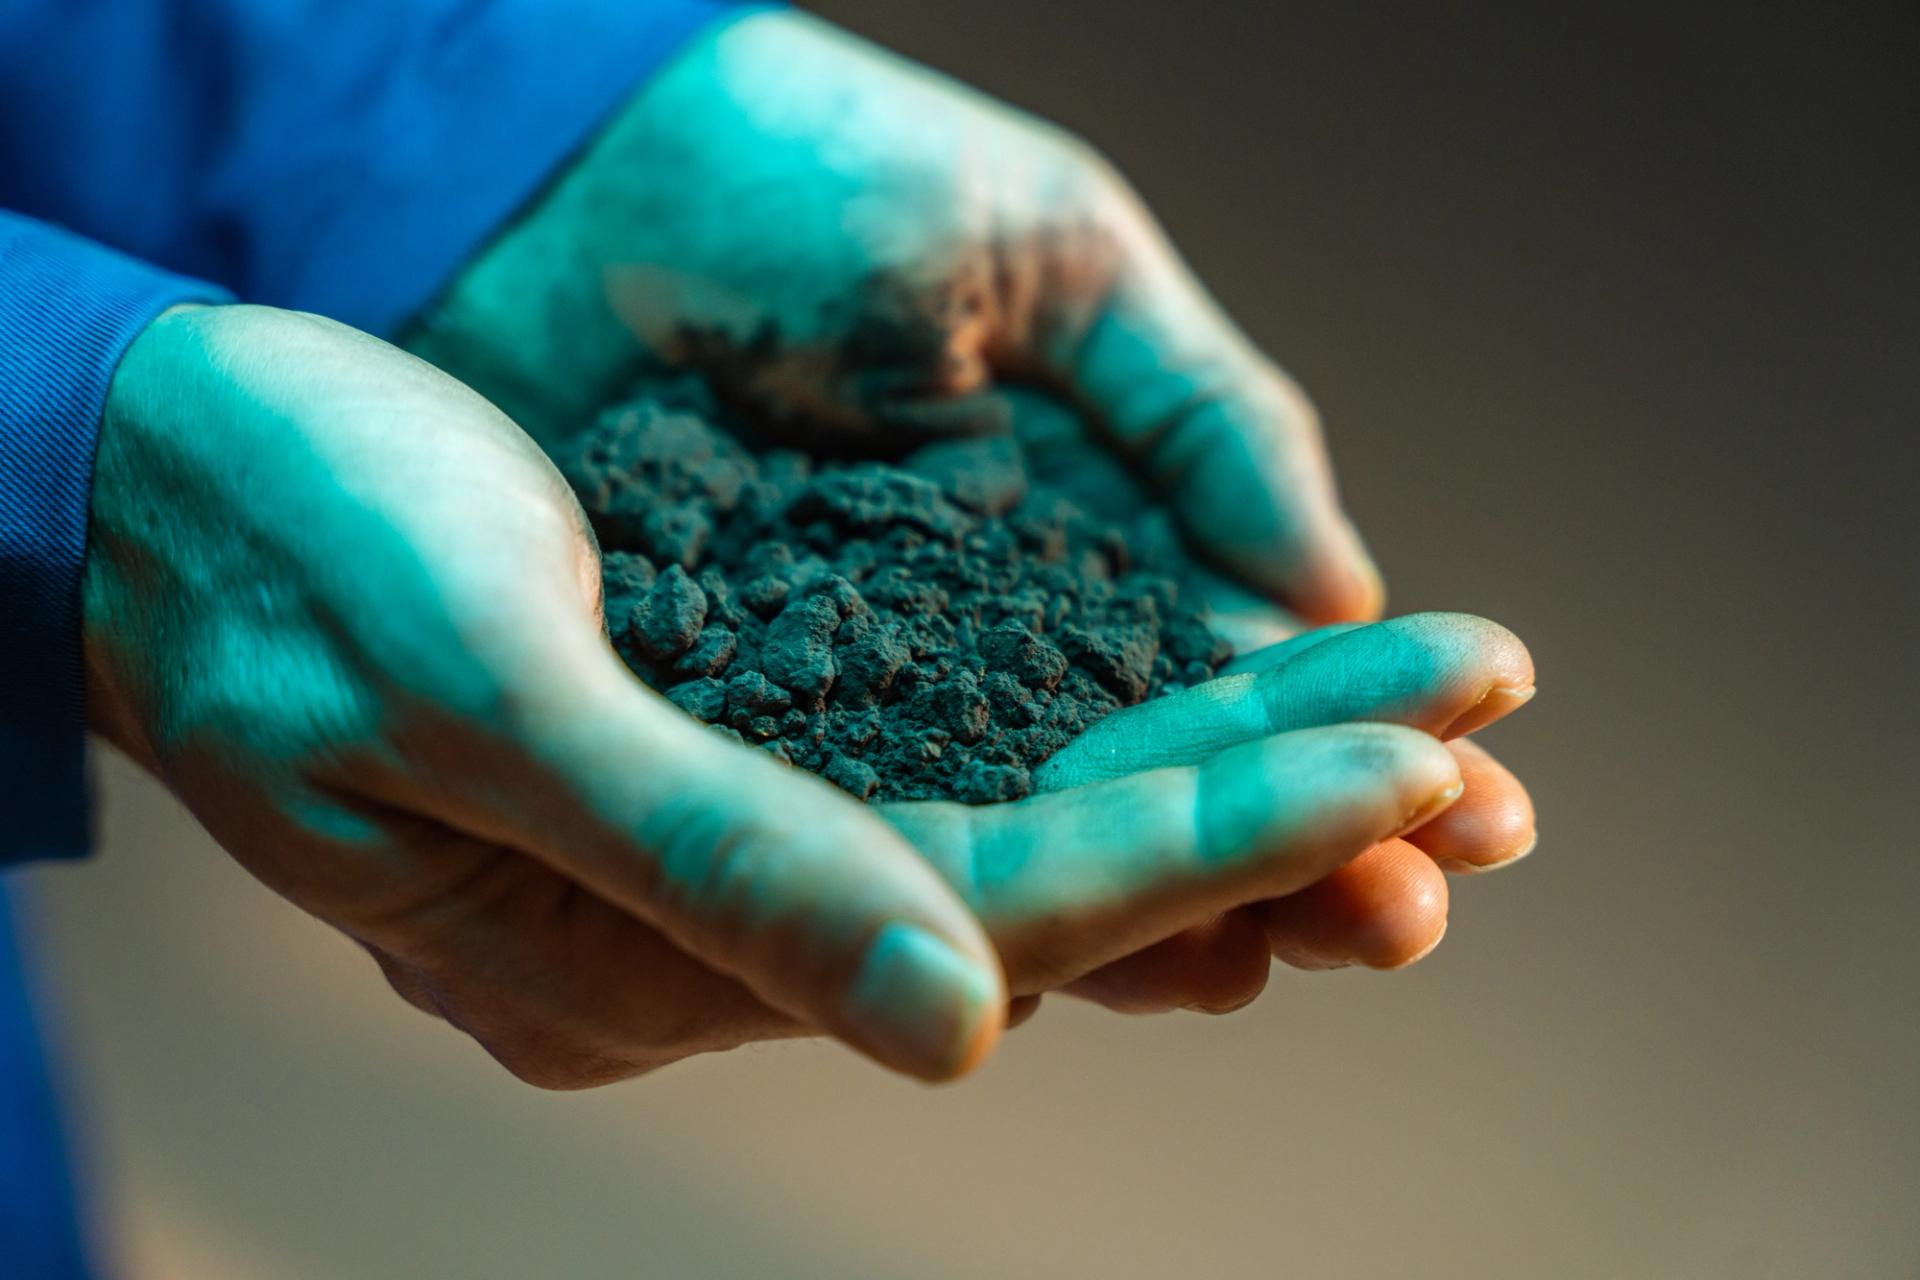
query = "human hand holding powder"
x=350 y=614
x=850 y=245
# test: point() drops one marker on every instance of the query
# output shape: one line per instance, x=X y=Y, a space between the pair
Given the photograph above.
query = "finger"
x=1490 y=826
x=1072 y=880
x=1381 y=906
x=1214 y=967
x=1385 y=909
x=1020 y=1010
x=1230 y=441
x=767 y=874
x=1429 y=671
x=1254 y=661
x=1143 y=981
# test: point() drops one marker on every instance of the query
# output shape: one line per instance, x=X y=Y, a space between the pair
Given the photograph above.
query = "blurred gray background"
x=1612 y=314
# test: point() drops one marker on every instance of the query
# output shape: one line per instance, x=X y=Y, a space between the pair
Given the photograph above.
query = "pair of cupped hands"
x=340 y=602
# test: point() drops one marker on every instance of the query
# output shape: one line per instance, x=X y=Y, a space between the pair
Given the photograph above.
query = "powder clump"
x=933 y=628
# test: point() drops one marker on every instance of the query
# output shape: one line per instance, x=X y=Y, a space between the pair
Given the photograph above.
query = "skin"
x=843 y=240
x=349 y=613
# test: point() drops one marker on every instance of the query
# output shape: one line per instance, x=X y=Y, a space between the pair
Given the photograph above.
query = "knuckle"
x=1378 y=750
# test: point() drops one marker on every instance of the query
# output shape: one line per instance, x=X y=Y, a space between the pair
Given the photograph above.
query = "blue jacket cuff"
x=68 y=311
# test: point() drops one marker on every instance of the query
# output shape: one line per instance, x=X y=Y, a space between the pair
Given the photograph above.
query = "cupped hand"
x=1447 y=674
x=839 y=237
x=349 y=613
x=1444 y=674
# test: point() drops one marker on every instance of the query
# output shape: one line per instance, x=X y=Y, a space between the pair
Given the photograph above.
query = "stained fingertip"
x=923 y=1007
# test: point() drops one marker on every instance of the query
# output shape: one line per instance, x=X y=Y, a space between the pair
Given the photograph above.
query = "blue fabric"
x=343 y=159
x=40 y=1234
x=68 y=309
x=338 y=158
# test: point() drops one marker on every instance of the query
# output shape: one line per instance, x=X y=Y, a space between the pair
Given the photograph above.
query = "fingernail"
x=1311 y=961
x=921 y=1007
x=1498 y=701
x=1434 y=806
x=1220 y=1010
x=1461 y=867
x=1417 y=956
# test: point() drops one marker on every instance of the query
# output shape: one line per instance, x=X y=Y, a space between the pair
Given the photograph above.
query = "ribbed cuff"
x=68 y=311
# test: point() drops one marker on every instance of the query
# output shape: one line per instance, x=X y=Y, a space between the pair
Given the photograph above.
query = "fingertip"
x=1411 y=917
x=1298 y=805
x=1386 y=909
x=1344 y=584
x=1323 y=573
x=1414 y=768
x=1416 y=957
x=1468 y=867
x=1501 y=666
x=1444 y=673
x=1497 y=703
x=977 y=1050
x=922 y=1007
x=1493 y=825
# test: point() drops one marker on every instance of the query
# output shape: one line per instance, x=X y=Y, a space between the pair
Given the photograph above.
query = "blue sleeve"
x=41 y=1224
x=68 y=309
x=338 y=158
x=343 y=159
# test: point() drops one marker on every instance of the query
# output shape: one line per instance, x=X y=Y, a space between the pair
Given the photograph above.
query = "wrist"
x=135 y=477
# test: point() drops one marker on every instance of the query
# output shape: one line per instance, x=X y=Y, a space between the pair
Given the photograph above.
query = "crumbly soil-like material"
x=933 y=628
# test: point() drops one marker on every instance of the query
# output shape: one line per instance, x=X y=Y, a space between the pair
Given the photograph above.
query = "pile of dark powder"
x=931 y=628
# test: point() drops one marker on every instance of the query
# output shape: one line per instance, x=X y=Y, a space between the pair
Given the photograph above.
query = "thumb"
x=765 y=873
x=1229 y=441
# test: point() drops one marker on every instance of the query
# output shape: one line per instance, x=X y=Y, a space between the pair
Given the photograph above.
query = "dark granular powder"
x=928 y=629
